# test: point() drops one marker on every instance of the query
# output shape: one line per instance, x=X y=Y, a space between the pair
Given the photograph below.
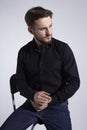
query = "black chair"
x=14 y=90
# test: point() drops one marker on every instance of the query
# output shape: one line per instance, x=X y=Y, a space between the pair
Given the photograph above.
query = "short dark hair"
x=36 y=13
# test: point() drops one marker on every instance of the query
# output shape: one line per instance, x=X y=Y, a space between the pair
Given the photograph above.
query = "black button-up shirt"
x=53 y=70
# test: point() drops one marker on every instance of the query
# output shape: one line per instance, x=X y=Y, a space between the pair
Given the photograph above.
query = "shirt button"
x=41 y=63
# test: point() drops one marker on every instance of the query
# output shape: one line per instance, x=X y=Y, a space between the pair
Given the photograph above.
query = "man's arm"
x=70 y=77
x=21 y=83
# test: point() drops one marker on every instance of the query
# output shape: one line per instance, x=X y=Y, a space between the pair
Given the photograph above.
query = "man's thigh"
x=57 y=117
x=21 y=119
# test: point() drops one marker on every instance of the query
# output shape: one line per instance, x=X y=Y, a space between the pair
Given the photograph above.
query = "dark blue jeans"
x=54 y=117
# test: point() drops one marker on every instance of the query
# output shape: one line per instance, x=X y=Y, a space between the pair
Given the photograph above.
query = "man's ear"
x=30 y=30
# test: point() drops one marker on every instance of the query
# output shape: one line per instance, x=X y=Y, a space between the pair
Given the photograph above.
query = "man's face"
x=42 y=30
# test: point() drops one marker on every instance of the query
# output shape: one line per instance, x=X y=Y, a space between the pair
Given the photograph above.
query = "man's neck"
x=38 y=42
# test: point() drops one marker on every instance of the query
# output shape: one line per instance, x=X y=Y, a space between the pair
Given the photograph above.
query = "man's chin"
x=44 y=41
x=47 y=41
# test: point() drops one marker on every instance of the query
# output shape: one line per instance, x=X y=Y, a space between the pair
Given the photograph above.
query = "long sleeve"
x=21 y=82
x=70 y=77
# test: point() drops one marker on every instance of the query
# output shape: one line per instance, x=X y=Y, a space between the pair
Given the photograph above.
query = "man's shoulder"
x=26 y=47
x=62 y=47
x=59 y=43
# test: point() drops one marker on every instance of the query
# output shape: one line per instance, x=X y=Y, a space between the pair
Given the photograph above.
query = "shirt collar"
x=37 y=48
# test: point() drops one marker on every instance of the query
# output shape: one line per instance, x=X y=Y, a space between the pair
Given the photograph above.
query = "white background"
x=69 y=25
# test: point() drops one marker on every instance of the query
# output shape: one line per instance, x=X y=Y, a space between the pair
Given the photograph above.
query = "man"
x=46 y=75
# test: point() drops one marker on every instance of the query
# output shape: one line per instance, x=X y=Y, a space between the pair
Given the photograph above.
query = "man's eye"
x=42 y=29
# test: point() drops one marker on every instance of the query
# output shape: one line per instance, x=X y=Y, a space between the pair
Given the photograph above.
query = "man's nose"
x=48 y=32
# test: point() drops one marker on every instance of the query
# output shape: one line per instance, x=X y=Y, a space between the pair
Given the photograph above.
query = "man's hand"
x=38 y=107
x=42 y=97
x=41 y=100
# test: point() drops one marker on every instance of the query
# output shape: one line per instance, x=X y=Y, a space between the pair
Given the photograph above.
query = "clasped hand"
x=41 y=100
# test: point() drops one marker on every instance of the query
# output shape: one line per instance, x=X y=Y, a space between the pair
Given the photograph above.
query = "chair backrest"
x=13 y=84
x=13 y=89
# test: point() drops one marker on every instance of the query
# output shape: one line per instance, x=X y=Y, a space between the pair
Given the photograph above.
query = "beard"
x=45 y=41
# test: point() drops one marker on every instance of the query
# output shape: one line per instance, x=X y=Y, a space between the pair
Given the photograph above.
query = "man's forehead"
x=43 y=21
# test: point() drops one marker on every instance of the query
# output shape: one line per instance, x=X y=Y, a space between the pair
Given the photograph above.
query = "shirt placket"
x=42 y=68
